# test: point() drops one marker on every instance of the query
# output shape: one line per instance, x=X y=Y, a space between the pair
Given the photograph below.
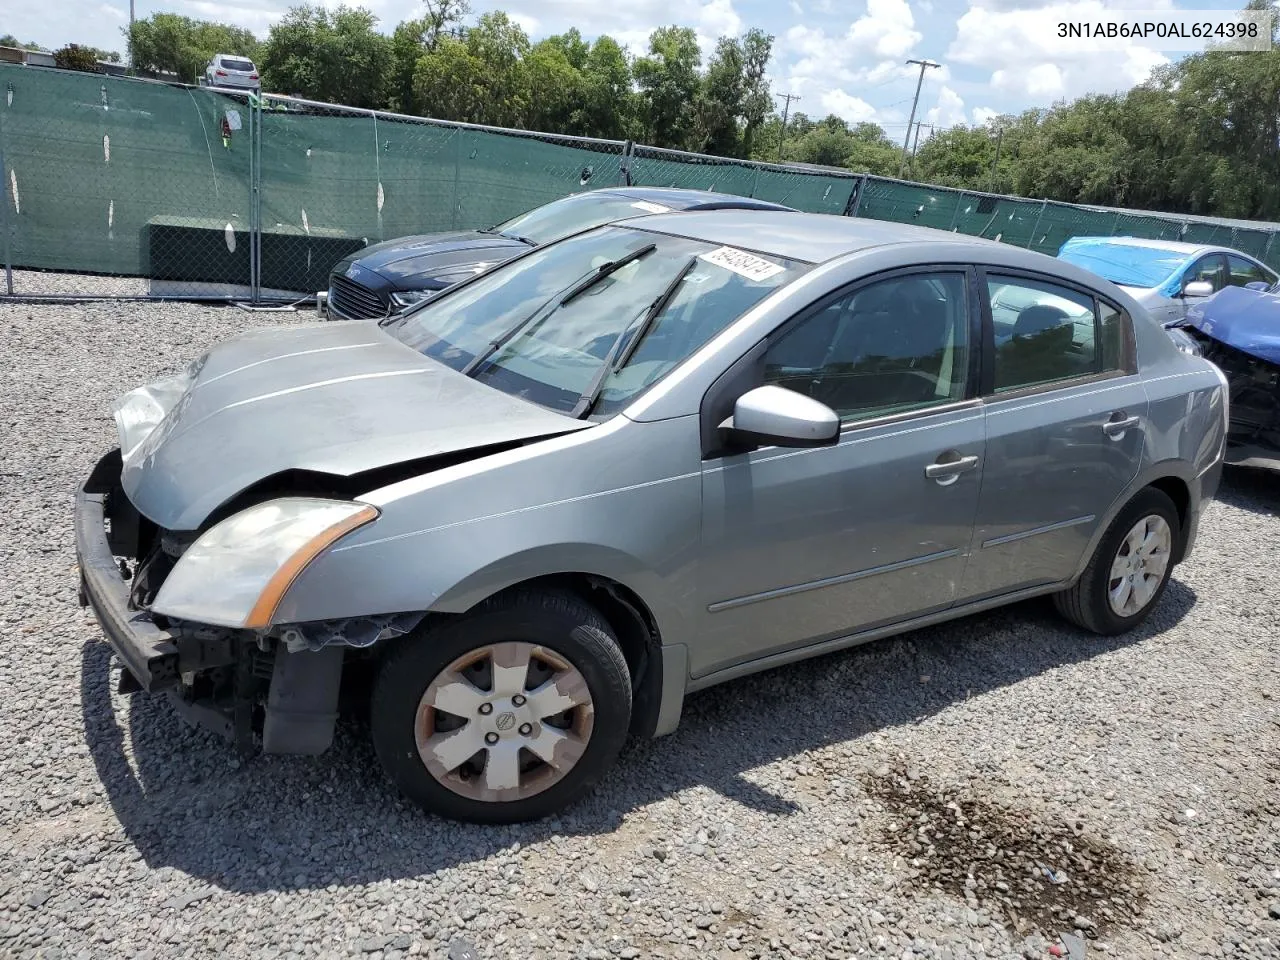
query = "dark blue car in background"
x=387 y=277
x=1238 y=328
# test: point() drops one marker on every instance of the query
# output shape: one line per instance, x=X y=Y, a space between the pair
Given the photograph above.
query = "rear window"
x=245 y=65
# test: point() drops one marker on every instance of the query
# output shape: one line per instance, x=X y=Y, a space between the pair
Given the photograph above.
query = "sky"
x=845 y=57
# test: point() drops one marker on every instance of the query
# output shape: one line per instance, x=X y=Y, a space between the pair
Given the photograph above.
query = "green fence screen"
x=207 y=191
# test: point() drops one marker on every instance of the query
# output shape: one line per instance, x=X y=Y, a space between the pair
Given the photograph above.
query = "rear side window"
x=1045 y=333
x=1241 y=271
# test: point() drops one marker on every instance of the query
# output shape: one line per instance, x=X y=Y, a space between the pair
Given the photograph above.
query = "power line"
x=924 y=65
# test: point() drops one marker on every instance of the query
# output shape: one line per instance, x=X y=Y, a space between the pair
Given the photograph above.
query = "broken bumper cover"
x=148 y=652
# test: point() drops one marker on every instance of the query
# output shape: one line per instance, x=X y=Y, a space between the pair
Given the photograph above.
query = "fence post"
x=1266 y=251
x=1115 y=223
x=624 y=163
x=255 y=190
x=859 y=190
x=457 y=173
x=956 y=212
x=1032 y=239
x=4 y=217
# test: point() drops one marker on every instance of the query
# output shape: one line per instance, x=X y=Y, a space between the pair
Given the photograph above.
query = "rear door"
x=1065 y=416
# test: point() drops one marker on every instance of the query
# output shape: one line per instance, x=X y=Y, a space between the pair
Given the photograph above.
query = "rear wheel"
x=1129 y=570
x=509 y=713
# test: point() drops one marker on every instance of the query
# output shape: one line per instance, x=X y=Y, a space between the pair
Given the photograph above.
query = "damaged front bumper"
x=1253 y=385
x=235 y=682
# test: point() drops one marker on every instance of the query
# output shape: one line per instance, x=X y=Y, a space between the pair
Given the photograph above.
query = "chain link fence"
x=117 y=187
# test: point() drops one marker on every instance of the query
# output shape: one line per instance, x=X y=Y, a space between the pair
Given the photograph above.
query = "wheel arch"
x=1177 y=480
x=618 y=589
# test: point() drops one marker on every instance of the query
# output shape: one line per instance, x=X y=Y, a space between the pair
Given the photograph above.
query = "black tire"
x=560 y=622
x=1086 y=604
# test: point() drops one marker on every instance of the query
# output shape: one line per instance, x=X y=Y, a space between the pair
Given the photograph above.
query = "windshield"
x=693 y=290
x=1126 y=264
x=578 y=212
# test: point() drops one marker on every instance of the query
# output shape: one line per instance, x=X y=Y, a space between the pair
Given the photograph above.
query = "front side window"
x=1210 y=270
x=1241 y=271
x=1043 y=332
x=558 y=324
x=572 y=214
x=895 y=345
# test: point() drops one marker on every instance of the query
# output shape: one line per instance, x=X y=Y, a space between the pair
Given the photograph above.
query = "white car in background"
x=229 y=70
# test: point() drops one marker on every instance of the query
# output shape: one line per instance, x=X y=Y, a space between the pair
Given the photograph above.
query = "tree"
x=9 y=40
x=415 y=38
x=718 y=102
x=332 y=55
x=668 y=81
x=555 y=88
x=757 y=101
x=72 y=57
x=449 y=81
x=608 y=102
x=168 y=43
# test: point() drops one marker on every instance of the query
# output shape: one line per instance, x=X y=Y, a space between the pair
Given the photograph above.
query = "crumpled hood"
x=422 y=257
x=335 y=398
x=1248 y=320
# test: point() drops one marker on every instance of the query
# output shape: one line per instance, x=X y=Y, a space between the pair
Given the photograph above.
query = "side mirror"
x=1198 y=288
x=778 y=417
x=1257 y=285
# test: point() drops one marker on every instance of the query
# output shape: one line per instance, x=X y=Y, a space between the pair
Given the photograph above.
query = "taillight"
x=219 y=73
x=253 y=76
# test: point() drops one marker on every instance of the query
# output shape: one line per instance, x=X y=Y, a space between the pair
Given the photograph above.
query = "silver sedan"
x=543 y=507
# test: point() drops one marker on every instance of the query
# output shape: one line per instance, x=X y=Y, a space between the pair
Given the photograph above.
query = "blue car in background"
x=1166 y=276
x=1238 y=329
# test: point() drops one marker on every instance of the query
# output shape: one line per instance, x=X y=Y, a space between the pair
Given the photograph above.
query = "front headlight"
x=236 y=573
x=140 y=411
x=407 y=298
x=1184 y=341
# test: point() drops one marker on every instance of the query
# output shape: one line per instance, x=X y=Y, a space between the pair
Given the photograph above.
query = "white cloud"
x=887 y=29
x=796 y=9
x=848 y=107
x=984 y=115
x=111 y=11
x=1027 y=59
x=528 y=23
x=949 y=110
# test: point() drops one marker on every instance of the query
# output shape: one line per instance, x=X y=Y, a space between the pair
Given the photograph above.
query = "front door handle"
x=948 y=471
x=1113 y=428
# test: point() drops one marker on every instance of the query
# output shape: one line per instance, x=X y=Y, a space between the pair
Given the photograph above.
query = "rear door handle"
x=948 y=471
x=1113 y=428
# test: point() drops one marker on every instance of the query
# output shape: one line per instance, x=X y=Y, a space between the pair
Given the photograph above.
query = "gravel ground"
x=973 y=790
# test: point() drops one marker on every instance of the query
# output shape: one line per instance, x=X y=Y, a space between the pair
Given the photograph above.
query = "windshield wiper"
x=495 y=232
x=618 y=355
x=548 y=309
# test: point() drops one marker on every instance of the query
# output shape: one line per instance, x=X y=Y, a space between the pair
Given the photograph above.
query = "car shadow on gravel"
x=278 y=823
x=1251 y=489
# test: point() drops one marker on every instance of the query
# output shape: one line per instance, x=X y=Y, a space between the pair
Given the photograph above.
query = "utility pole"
x=924 y=65
x=991 y=182
x=916 y=142
x=786 y=109
x=129 y=47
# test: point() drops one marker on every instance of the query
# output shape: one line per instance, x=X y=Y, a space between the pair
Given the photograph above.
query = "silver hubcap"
x=1139 y=566
x=504 y=722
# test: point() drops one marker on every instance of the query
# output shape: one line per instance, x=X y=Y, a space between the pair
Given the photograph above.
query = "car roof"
x=810 y=237
x=685 y=198
x=1173 y=246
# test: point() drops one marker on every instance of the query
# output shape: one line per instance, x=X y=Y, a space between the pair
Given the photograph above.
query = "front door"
x=806 y=545
x=1065 y=420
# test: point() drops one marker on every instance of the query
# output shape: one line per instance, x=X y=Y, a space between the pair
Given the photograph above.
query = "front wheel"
x=506 y=714
x=1129 y=570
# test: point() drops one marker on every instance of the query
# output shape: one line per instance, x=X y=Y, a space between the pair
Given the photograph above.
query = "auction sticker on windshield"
x=742 y=263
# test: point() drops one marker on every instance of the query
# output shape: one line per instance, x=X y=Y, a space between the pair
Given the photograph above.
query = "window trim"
x=746 y=373
x=1128 y=342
